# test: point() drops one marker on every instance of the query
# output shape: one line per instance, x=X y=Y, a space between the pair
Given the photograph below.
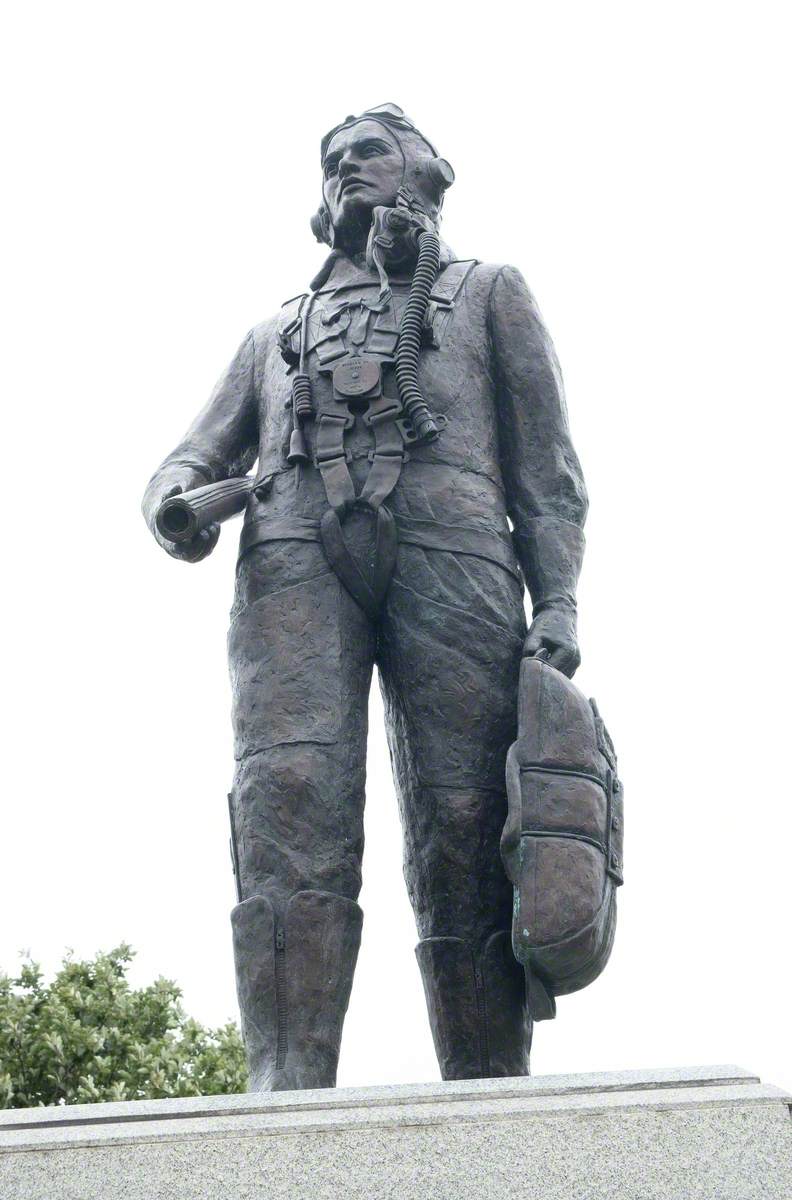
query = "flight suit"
x=497 y=499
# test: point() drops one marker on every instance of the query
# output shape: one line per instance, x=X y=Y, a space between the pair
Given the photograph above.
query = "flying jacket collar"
x=339 y=270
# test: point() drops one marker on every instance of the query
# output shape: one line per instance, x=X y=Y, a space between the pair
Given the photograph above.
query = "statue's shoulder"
x=265 y=335
x=453 y=276
x=485 y=287
x=488 y=273
x=476 y=276
x=505 y=287
x=283 y=330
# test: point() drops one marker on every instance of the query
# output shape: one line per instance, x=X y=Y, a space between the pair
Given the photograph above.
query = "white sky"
x=632 y=160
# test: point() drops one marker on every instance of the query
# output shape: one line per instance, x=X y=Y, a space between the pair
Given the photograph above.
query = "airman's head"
x=367 y=161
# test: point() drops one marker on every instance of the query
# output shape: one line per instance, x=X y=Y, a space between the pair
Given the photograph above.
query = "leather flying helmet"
x=425 y=176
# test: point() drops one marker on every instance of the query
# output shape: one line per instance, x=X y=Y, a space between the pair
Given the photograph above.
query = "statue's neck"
x=352 y=242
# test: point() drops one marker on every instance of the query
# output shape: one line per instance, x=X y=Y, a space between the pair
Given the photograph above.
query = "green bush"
x=89 y=1036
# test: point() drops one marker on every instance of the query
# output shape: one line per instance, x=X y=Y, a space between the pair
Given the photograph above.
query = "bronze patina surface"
x=415 y=472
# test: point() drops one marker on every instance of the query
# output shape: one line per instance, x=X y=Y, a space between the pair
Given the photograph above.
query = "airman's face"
x=363 y=167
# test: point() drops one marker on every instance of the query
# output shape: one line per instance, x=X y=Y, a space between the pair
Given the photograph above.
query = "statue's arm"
x=545 y=492
x=221 y=442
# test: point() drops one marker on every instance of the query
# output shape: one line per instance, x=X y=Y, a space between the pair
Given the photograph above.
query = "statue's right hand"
x=161 y=489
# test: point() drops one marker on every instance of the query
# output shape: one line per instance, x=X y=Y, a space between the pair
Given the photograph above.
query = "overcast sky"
x=632 y=160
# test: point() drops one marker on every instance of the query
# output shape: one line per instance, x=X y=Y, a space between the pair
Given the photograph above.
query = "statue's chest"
x=328 y=326
x=356 y=320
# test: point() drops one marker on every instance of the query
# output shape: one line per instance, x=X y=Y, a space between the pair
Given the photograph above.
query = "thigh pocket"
x=284 y=654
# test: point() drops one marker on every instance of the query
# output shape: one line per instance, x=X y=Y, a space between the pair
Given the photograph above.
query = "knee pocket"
x=285 y=663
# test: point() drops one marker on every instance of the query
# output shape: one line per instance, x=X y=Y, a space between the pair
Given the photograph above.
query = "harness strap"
x=279 y=529
x=331 y=459
x=388 y=455
x=288 y=328
x=451 y=279
x=369 y=594
x=458 y=539
x=427 y=535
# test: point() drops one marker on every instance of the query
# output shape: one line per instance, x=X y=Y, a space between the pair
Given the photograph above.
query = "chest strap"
x=386 y=458
x=331 y=458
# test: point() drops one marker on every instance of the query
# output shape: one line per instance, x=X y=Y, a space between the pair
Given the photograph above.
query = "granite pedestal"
x=716 y=1133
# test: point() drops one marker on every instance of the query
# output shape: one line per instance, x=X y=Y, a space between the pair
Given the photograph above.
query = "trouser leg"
x=449 y=661
x=300 y=653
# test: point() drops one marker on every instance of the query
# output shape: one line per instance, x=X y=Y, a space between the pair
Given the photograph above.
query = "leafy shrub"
x=89 y=1036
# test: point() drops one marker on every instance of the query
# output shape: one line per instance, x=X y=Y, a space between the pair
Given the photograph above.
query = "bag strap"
x=451 y=280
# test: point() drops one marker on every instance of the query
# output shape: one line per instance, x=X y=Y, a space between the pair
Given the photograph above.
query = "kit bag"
x=562 y=843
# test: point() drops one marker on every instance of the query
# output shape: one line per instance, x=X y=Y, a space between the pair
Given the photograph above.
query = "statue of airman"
x=415 y=474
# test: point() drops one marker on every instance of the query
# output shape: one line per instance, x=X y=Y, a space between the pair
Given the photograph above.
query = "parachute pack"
x=562 y=843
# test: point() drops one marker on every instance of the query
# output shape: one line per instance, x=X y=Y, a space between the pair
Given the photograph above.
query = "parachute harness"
x=396 y=234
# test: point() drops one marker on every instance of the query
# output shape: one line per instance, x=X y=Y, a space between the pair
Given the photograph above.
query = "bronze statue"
x=415 y=470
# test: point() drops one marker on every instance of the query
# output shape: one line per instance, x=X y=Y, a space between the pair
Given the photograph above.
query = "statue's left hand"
x=555 y=629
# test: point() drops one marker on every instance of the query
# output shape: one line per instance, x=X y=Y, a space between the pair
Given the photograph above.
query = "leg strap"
x=369 y=593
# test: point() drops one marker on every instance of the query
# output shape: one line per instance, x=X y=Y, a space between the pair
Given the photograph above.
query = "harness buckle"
x=322 y=460
x=382 y=409
x=346 y=419
x=379 y=415
x=402 y=455
x=356 y=377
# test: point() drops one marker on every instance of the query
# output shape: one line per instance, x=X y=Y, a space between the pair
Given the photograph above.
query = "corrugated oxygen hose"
x=410 y=333
x=302 y=398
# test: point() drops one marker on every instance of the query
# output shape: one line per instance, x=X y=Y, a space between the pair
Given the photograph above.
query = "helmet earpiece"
x=430 y=177
x=321 y=227
x=441 y=174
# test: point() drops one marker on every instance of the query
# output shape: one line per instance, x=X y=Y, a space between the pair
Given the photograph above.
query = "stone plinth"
x=714 y=1132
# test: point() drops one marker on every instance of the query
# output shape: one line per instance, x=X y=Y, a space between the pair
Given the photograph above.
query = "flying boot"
x=476 y=1001
x=294 y=978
